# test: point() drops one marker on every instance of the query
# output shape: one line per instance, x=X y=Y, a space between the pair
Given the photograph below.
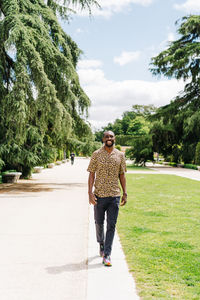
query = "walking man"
x=72 y=155
x=107 y=167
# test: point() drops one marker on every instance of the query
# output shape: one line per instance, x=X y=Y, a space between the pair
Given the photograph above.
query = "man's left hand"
x=123 y=200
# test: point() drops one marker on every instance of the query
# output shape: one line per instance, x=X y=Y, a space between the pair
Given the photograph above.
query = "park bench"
x=11 y=177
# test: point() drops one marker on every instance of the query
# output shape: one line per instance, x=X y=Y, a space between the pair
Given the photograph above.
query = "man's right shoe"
x=101 y=250
x=107 y=261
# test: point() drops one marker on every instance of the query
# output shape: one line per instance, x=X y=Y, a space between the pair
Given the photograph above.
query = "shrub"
x=128 y=152
x=173 y=164
x=190 y=166
x=8 y=171
x=118 y=147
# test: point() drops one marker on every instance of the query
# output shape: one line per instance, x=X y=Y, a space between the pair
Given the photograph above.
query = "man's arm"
x=92 y=198
x=122 y=180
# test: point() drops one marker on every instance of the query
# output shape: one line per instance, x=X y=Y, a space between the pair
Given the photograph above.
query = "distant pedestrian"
x=72 y=156
x=107 y=167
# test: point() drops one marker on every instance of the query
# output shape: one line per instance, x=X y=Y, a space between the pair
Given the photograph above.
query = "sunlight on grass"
x=159 y=230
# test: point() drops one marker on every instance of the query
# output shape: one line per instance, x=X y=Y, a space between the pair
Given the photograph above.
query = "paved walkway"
x=47 y=240
x=115 y=283
x=44 y=238
x=159 y=169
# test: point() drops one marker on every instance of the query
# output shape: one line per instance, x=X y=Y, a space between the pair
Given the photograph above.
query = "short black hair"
x=107 y=132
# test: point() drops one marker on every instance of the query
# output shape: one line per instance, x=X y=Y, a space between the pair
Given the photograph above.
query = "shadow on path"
x=74 y=267
x=26 y=186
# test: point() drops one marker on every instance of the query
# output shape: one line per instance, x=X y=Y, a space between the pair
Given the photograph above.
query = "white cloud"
x=111 y=98
x=171 y=37
x=89 y=63
x=79 y=30
x=110 y=7
x=92 y=77
x=126 y=57
x=189 y=6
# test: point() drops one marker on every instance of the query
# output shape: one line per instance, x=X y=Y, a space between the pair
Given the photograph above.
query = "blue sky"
x=118 y=42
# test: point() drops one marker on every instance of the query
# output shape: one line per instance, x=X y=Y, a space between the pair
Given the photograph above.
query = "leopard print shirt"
x=107 y=167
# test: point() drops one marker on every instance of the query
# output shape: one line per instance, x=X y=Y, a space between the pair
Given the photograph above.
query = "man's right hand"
x=92 y=199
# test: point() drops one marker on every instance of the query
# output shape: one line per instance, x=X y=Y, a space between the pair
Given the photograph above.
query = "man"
x=107 y=167
x=72 y=155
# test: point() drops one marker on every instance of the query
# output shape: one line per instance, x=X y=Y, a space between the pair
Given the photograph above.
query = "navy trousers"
x=110 y=207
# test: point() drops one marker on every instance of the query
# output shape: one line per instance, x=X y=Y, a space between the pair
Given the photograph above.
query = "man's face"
x=109 y=139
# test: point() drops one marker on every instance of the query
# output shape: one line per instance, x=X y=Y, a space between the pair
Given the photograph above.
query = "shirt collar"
x=104 y=150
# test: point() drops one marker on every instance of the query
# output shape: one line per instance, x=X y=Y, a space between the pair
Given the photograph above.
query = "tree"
x=143 y=110
x=181 y=61
x=138 y=126
x=197 y=154
x=181 y=58
x=133 y=123
x=142 y=150
x=42 y=103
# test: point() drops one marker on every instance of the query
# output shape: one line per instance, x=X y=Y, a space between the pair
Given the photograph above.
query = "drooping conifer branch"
x=41 y=94
x=177 y=129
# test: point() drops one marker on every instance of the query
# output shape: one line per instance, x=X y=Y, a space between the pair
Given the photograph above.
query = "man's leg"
x=112 y=214
x=99 y=216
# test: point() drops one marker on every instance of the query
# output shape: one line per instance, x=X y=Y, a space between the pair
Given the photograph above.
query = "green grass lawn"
x=159 y=230
x=137 y=168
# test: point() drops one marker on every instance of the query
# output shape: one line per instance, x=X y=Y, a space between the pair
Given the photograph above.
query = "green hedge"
x=187 y=166
x=8 y=171
x=125 y=140
x=190 y=166
x=173 y=164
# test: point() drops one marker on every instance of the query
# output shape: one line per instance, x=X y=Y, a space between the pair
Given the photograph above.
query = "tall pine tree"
x=42 y=104
x=179 y=122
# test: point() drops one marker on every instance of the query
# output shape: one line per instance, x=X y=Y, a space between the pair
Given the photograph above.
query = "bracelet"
x=125 y=194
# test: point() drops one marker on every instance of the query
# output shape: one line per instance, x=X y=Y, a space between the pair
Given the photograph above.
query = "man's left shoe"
x=107 y=261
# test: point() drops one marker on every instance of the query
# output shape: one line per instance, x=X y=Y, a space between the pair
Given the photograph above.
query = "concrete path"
x=183 y=172
x=44 y=238
x=105 y=283
x=47 y=239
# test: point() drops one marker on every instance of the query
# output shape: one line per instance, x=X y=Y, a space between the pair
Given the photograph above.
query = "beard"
x=111 y=143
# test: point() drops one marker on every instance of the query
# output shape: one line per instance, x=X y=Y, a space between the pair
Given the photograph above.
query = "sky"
x=118 y=42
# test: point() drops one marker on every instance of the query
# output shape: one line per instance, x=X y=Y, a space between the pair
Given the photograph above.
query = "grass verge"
x=137 y=168
x=159 y=230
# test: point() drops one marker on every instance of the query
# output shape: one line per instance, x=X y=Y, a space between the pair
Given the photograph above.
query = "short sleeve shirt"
x=107 y=168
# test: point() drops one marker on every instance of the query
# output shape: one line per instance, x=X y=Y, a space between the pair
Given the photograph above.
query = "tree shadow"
x=26 y=186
